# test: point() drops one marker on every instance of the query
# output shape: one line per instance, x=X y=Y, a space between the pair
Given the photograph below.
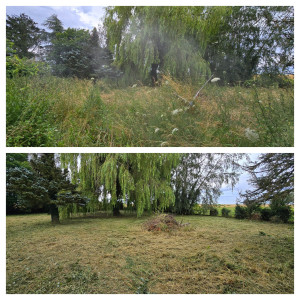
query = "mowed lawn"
x=117 y=255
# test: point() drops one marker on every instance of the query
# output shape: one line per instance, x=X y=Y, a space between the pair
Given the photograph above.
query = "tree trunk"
x=54 y=214
x=116 y=211
x=153 y=74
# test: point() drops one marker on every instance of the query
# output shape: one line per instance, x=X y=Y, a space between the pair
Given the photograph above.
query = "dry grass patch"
x=118 y=255
x=71 y=112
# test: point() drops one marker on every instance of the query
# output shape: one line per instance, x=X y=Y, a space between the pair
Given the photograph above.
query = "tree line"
x=136 y=42
x=69 y=183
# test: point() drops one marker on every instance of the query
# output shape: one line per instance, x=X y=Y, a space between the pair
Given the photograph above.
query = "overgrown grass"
x=49 y=111
x=117 y=255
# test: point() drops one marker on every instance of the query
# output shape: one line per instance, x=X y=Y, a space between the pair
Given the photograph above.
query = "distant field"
x=117 y=255
x=50 y=111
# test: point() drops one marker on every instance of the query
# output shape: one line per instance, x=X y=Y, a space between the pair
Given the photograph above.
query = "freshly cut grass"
x=118 y=255
x=70 y=112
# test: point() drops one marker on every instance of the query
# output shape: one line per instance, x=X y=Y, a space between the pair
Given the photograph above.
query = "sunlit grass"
x=70 y=112
x=117 y=255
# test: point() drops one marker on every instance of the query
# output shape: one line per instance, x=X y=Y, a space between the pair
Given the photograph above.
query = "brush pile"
x=163 y=222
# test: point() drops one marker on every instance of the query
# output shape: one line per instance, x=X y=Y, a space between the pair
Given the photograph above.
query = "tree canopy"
x=173 y=37
x=188 y=42
x=252 y=40
x=43 y=184
x=198 y=178
x=272 y=177
x=24 y=33
x=142 y=180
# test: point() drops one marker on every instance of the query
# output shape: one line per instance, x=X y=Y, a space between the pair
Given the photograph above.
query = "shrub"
x=16 y=66
x=240 y=212
x=197 y=209
x=266 y=214
x=213 y=211
x=284 y=213
x=225 y=212
x=252 y=208
x=255 y=216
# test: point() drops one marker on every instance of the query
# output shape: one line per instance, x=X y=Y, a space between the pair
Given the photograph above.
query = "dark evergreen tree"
x=24 y=33
x=15 y=160
x=45 y=184
x=55 y=26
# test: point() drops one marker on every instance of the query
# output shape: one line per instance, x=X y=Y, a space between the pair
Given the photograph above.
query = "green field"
x=117 y=255
x=51 y=111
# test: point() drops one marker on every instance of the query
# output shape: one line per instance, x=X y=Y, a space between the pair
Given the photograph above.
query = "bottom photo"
x=150 y=223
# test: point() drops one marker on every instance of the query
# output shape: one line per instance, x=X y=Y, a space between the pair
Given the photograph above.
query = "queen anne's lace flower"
x=176 y=111
x=251 y=135
x=174 y=130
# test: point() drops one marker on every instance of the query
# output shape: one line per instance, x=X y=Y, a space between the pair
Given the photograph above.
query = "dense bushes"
x=225 y=212
x=240 y=212
x=266 y=214
x=282 y=213
x=213 y=211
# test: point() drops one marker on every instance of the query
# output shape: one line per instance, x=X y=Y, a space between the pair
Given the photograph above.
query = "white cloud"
x=91 y=18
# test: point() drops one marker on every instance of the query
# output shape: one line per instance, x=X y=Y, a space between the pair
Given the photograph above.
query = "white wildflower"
x=251 y=135
x=176 y=111
x=156 y=130
x=135 y=85
x=174 y=130
x=92 y=78
x=163 y=144
x=166 y=82
x=215 y=79
x=162 y=115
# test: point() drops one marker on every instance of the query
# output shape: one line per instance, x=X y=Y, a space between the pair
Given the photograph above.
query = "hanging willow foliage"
x=173 y=37
x=141 y=180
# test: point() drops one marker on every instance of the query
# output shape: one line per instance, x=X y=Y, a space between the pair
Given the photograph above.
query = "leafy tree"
x=69 y=55
x=272 y=177
x=44 y=184
x=142 y=181
x=253 y=39
x=23 y=32
x=199 y=177
x=174 y=38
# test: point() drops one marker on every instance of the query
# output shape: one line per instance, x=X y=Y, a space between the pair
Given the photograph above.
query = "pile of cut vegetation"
x=163 y=222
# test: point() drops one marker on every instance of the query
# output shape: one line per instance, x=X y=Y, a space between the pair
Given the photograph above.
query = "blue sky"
x=85 y=17
x=229 y=195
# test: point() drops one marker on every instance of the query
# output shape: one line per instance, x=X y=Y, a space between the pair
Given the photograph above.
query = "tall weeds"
x=50 y=111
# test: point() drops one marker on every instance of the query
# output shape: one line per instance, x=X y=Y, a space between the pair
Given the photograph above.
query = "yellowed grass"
x=129 y=116
x=117 y=255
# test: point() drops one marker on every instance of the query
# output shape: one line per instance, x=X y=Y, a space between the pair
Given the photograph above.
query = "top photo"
x=150 y=76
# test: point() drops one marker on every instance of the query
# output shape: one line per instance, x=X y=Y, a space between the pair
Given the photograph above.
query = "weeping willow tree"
x=142 y=181
x=172 y=37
